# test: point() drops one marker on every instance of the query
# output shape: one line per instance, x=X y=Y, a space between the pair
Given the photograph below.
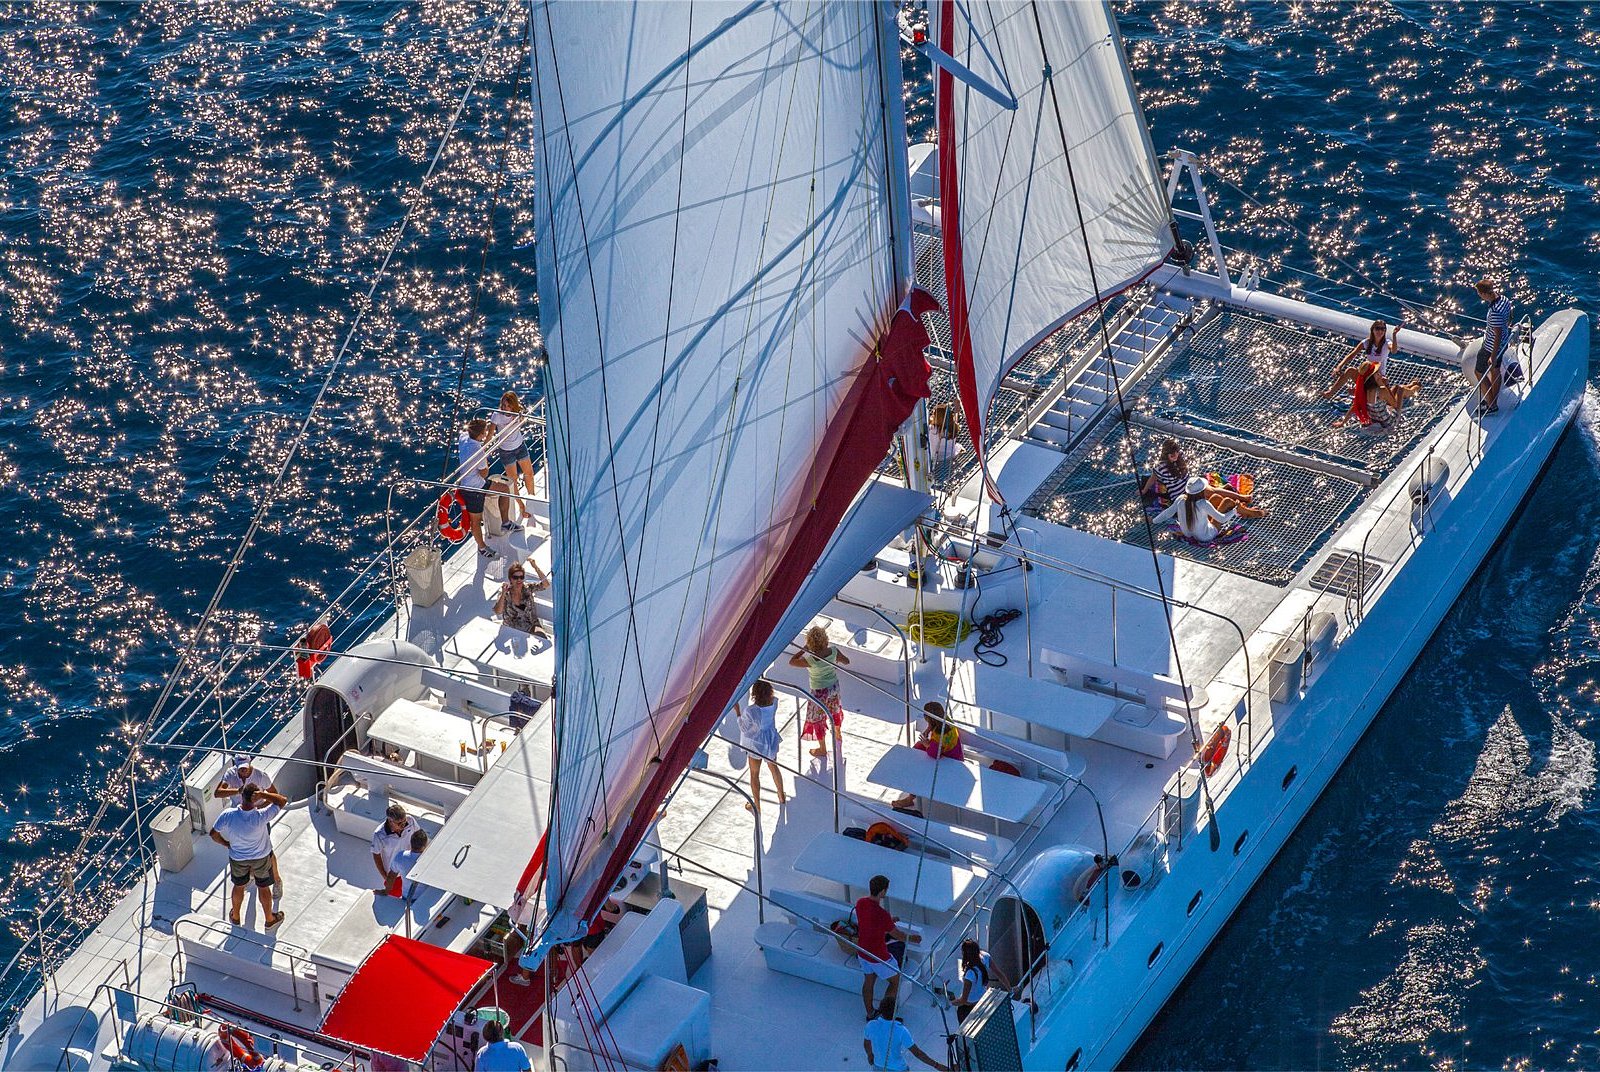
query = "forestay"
x=1021 y=189
x=720 y=260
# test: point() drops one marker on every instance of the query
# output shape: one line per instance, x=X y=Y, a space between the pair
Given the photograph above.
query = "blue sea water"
x=194 y=198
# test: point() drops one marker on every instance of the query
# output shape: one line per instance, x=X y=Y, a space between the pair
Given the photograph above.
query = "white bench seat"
x=1032 y=759
x=242 y=954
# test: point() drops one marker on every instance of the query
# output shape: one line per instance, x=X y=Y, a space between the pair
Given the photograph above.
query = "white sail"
x=1017 y=180
x=720 y=260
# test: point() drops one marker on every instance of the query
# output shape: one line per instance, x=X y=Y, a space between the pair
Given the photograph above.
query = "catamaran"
x=752 y=292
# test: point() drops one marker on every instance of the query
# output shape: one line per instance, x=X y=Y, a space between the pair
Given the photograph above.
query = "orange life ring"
x=241 y=1044
x=454 y=531
x=1215 y=749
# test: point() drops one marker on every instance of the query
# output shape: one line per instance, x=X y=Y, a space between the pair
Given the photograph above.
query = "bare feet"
x=819 y=751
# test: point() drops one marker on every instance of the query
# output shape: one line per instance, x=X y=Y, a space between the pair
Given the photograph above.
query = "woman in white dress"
x=758 y=736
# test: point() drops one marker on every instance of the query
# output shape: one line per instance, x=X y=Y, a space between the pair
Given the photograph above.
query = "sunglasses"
x=517 y=575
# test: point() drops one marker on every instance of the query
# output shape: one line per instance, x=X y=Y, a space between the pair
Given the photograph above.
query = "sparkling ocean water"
x=193 y=199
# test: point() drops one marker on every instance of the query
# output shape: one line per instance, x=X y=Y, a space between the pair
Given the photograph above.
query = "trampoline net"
x=1260 y=379
x=1094 y=491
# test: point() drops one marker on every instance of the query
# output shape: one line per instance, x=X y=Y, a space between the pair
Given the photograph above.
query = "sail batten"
x=1049 y=207
x=720 y=278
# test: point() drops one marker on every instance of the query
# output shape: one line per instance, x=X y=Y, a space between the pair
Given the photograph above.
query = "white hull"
x=1116 y=999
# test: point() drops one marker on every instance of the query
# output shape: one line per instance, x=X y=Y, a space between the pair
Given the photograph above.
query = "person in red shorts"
x=874 y=927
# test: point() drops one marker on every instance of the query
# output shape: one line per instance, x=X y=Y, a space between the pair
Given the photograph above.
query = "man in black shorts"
x=245 y=829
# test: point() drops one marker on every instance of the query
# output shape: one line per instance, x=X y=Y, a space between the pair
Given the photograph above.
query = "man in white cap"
x=237 y=773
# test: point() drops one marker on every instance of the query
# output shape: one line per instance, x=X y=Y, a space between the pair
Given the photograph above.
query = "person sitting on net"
x=1197 y=518
x=1377 y=346
x=1368 y=390
x=1172 y=476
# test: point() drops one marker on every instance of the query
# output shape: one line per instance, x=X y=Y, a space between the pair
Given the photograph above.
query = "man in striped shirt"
x=1496 y=337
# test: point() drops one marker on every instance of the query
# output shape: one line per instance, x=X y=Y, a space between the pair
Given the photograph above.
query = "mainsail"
x=722 y=263
x=1048 y=206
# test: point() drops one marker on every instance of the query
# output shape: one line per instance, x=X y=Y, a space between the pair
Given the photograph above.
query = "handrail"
x=120 y=1031
x=263 y=702
x=1476 y=433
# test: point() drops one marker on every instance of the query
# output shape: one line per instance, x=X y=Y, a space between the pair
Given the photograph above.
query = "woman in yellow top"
x=940 y=738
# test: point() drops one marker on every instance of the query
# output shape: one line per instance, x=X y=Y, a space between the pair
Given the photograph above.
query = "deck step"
x=1050 y=434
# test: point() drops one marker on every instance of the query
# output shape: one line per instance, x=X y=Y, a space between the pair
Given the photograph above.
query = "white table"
x=935 y=885
x=958 y=784
x=516 y=658
x=1040 y=701
x=435 y=737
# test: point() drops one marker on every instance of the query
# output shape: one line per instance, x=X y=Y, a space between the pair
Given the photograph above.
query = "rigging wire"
x=269 y=497
x=474 y=334
x=1122 y=413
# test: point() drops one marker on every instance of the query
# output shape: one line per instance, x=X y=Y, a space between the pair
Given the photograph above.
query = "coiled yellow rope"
x=944 y=628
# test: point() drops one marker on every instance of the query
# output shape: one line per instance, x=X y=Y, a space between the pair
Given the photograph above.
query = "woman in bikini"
x=1365 y=368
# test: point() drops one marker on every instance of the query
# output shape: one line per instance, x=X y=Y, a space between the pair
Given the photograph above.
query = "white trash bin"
x=170 y=831
x=425 y=571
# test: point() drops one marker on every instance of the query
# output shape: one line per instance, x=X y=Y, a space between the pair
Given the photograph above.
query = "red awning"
x=402 y=996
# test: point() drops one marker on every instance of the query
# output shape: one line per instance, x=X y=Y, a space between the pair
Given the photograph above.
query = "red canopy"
x=402 y=996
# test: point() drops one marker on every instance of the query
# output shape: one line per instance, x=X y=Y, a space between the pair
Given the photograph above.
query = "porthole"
x=1237 y=845
x=1072 y=1062
x=1194 y=902
x=1155 y=954
x=1288 y=779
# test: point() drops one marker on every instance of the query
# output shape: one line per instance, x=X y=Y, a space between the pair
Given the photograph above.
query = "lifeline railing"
x=128 y=1007
x=223 y=712
x=1422 y=501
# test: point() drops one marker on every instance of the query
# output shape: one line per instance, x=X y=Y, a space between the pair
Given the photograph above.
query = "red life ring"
x=314 y=648
x=454 y=531
x=1215 y=749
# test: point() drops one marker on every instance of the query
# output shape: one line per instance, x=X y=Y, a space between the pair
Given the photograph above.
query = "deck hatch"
x=1343 y=574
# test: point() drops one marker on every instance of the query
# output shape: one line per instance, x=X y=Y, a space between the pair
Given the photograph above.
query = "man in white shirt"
x=246 y=830
x=473 y=480
x=391 y=838
x=887 y=1041
x=238 y=774
x=500 y=1054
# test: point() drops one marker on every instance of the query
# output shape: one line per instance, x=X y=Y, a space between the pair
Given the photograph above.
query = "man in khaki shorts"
x=245 y=829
